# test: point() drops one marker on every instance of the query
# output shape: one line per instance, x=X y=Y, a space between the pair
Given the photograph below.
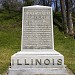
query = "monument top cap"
x=37 y=6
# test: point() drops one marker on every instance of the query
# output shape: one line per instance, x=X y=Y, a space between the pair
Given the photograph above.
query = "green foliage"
x=6 y=5
x=12 y=19
x=12 y=5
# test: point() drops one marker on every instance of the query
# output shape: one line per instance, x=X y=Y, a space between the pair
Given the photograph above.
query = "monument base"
x=37 y=63
x=37 y=71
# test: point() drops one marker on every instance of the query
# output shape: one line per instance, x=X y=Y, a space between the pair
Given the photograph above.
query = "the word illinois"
x=37 y=62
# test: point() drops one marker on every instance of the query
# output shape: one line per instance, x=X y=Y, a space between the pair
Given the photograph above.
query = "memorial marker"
x=37 y=55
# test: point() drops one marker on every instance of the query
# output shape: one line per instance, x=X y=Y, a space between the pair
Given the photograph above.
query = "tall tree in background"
x=66 y=10
x=64 y=19
x=11 y=5
x=56 y=5
x=6 y=4
x=69 y=16
x=43 y=2
x=73 y=5
x=28 y=2
x=48 y=2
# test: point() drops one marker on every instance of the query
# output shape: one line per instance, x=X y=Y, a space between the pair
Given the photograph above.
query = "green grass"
x=10 y=41
x=9 y=44
x=10 y=38
x=66 y=46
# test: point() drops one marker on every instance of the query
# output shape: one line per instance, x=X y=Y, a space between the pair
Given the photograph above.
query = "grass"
x=10 y=38
x=9 y=44
x=10 y=41
x=66 y=46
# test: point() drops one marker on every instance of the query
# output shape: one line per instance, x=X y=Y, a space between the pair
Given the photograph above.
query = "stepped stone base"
x=37 y=71
x=37 y=63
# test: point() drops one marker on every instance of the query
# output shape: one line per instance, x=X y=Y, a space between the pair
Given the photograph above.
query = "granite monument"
x=37 y=55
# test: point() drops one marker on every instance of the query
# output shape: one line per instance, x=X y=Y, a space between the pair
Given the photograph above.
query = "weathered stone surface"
x=69 y=72
x=38 y=59
x=34 y=71
x=37 y=28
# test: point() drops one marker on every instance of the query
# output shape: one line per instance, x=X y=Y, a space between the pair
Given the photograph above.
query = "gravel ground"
x=69 y=72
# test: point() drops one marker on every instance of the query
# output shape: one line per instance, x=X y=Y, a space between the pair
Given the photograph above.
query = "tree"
x=43 y=2
x=64 y=19
x=6 y=4
x=69 y=16
x=11 y=5
x=56 y=5
x=28 y=2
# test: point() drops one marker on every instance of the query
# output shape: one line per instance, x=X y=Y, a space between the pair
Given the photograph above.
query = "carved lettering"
x=12 y=61
x=37 y=30
x=38 y=62
x=32 y=62
x=59 y=62
x=26 y=63
x=18 y=63
x=53 y=61
x=46 y=61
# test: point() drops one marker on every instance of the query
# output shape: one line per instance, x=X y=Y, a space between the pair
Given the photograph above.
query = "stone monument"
x=37 y=55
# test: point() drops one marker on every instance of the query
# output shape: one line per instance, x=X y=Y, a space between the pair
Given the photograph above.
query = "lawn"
x=10 y=37
x=66 y=46
x=10 y=41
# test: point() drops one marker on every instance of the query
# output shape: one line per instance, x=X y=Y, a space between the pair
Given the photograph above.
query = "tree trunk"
x=64 y=19
x=69 y=17
x=48 y=2
x=44 y=2
x=56 y=9
x=54 y=5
